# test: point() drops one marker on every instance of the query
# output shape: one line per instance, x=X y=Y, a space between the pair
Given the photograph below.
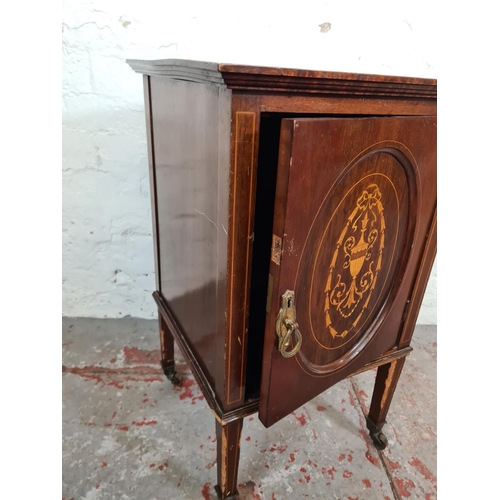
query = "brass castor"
x=378 y=437
x=171 y=374
x=379 y=440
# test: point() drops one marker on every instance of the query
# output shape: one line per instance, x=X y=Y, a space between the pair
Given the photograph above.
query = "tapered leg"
x=228 y=457
x=385 y=385
x=167 y=351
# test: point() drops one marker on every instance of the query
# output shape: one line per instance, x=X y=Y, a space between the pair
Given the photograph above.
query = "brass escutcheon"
x=286 y=325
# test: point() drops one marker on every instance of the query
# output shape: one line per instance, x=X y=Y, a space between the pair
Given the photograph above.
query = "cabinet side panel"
x=185 y=118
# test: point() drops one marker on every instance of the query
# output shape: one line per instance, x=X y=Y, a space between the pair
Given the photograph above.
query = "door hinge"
x=405 y=312
x=276 y=249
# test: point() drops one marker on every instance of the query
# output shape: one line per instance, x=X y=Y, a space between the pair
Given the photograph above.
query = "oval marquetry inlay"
x=356 y=263
x=355 y=248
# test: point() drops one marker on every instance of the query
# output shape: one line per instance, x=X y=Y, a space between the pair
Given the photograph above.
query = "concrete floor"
x=129 y=434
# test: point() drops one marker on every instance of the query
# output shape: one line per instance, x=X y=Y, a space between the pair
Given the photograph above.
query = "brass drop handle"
x=286 y=325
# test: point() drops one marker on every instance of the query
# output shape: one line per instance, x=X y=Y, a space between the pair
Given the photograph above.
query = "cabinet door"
x=355 y=198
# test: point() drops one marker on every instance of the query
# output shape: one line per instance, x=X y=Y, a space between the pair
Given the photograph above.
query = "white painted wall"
x=108 y=268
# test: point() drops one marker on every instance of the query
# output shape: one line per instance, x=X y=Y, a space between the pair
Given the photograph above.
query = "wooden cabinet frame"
x=204 y=126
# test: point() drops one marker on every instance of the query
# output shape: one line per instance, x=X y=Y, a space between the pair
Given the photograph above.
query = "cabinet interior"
x=263 y=228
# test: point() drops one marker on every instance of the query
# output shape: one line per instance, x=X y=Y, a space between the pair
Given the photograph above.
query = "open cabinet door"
x=355 y=198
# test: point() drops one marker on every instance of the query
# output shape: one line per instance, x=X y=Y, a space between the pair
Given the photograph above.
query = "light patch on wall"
x=325 y=27
x=124 y=22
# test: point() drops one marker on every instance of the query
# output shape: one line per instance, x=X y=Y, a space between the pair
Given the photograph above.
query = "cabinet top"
x=269 y=79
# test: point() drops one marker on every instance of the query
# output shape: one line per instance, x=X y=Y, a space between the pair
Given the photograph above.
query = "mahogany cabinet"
x=294 y=217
